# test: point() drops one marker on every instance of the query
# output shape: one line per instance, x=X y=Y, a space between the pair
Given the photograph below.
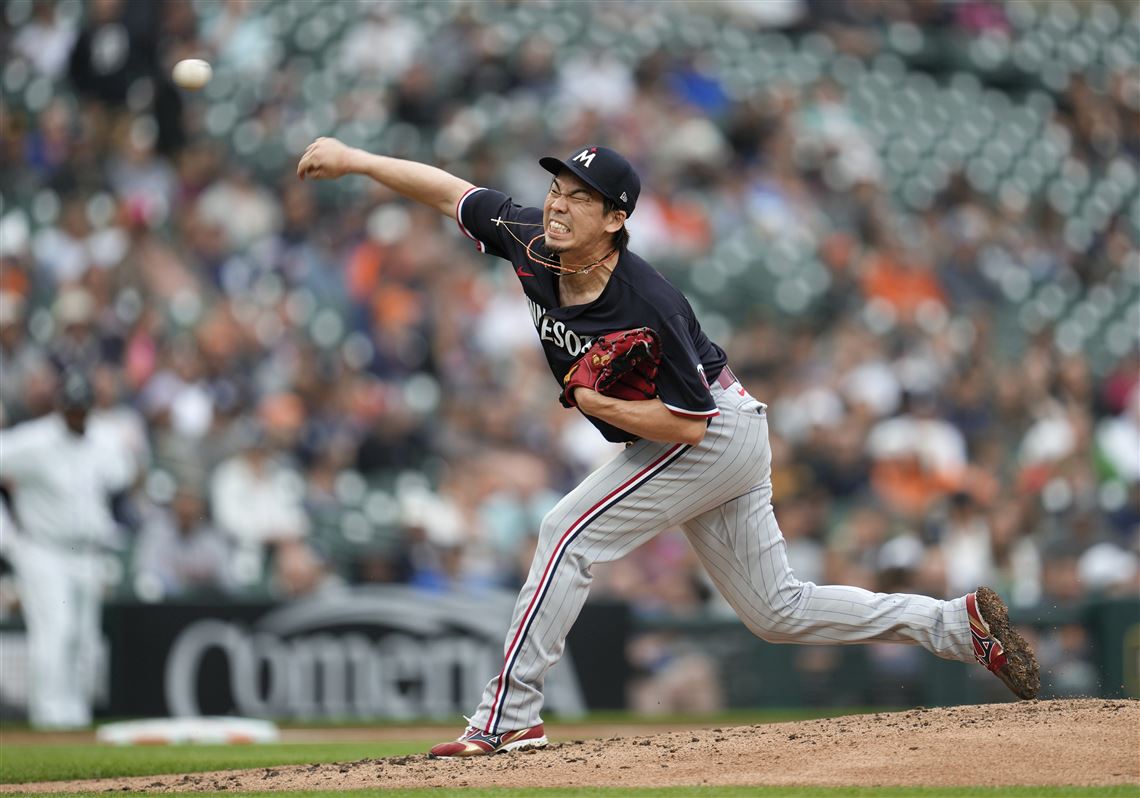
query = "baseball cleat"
x=998 y=647
x=476 y=742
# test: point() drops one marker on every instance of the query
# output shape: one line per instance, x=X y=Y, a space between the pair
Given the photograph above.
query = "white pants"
x=720 y=493
x=60 y=597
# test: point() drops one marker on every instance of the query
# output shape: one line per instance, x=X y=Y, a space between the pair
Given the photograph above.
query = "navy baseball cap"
x=604 y=170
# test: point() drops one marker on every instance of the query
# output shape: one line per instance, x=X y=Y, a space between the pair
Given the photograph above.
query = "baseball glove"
x=621 y=364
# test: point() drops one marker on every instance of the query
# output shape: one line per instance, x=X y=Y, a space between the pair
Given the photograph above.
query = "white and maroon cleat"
x=476 y=742
x=998 y=647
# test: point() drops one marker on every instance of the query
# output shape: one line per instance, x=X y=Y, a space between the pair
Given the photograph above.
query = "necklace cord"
x=550 y=264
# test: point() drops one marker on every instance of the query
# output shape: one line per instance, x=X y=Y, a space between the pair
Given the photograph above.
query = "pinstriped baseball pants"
x=720 y=493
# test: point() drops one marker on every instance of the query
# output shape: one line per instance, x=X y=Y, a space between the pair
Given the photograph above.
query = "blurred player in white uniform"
x=60 y=471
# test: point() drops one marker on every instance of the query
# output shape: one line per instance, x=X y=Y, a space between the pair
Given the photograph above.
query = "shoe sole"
x=522 y=745
x=1020 y=673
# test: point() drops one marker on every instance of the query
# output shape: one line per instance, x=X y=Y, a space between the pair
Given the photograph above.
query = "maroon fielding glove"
x=621 y=364
x=636 y=385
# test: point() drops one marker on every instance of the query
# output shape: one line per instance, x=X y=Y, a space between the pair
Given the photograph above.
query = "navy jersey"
x=637 y=295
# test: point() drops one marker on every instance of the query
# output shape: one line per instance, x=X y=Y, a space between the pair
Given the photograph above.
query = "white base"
x=175 y=731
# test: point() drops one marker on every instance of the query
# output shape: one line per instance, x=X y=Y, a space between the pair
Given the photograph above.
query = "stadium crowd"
x=323 y=386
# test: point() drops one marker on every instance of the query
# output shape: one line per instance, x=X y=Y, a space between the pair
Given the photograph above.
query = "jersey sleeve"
x=681 y=384
x=482 y=214
x=21 y=449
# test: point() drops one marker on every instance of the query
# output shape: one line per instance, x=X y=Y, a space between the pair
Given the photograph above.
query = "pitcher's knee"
x=779 y=620
x=551 y=536
x=550 y=531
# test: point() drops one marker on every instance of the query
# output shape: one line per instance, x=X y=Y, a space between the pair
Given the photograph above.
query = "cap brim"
x=555 y=165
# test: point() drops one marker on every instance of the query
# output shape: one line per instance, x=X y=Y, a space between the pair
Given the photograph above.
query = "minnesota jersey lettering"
x=556 y=332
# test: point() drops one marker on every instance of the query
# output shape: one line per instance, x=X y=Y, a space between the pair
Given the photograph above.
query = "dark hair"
x=621 y=237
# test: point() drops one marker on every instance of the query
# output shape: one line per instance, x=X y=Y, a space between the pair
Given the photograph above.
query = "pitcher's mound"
x=1085 y=742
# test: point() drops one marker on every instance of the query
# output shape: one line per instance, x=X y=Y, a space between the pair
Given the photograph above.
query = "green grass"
x=703 y=792
x=21 y=763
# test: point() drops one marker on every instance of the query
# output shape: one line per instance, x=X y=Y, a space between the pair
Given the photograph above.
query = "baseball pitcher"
x=628 y=352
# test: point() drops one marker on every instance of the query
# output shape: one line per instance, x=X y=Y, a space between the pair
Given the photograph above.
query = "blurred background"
x=914 y=225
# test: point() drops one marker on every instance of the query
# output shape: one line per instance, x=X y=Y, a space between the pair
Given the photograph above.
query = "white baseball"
x=192 y=73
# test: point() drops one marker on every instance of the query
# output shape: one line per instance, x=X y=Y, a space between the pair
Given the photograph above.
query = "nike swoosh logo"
x=519 y=271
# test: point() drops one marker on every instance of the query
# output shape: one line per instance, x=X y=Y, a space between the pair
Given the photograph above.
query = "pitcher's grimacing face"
x=573 y=215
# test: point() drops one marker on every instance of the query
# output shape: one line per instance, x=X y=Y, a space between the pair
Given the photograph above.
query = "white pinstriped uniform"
x=719 y=492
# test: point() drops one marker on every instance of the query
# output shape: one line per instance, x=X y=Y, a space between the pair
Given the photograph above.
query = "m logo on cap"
x=585 y=157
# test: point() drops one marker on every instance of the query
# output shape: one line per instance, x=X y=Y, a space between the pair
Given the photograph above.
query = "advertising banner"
x=360 y=652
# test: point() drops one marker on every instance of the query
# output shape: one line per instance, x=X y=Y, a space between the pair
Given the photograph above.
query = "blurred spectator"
x=122 y=421
x=596 y=82
x=179 y=553
x=49 y=147
x=854 y=547
x=1118 y=440
x=46 y=40
x=1015 y=555
x=672 y=677
x=138 y=177
x=257 y=501
x=439 y=555
x=1065 y=652
x=115 y=47
x=918 y=456
x=296 y=570
x=1107 y=569
x=240 y=207
x=240 y=37
x=78 y=343
x=383 y=44
x=65 y=252
x=21 y=357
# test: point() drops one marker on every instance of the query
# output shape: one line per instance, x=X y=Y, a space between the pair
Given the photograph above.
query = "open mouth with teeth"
x=557 y=229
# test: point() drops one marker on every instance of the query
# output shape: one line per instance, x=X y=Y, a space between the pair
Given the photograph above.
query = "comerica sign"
x=359 y=653
x=367 y=652
x=329 y=674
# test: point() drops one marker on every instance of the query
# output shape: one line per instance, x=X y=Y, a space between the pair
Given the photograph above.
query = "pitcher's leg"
x=741 y=546
x=613 y=511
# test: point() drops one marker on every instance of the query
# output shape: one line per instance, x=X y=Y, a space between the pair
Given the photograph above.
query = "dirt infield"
x=1087 y=742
